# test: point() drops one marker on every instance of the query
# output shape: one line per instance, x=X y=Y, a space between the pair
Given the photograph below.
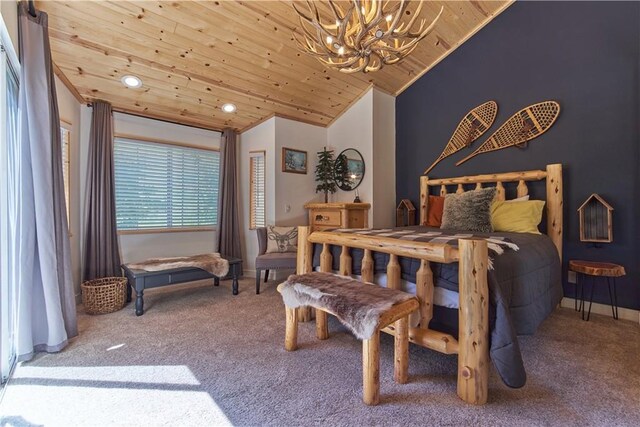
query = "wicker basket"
x=106 y=295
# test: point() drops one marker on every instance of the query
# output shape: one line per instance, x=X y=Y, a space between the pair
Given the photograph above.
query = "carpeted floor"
x=200 y=356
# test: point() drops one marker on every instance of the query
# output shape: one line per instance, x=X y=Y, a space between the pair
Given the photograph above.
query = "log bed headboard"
x=552 y=175
x=472 y=256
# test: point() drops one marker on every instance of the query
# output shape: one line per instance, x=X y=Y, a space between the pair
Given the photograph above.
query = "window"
x=9 y=155
x=65 y=138
x=164 y=186
x=256 y=191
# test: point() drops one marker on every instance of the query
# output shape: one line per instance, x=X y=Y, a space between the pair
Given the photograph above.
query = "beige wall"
x=259 y=138
x=354 y=129
x=369 y=127
x=286 y=193
x=294 y=190
x=70 y=115
x=9 y=14
x=384 y=159
x=137 y=247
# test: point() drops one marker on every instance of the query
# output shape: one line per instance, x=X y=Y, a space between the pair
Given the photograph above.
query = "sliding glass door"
x=8 y=147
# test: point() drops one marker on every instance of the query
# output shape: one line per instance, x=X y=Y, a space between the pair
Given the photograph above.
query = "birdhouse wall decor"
x=405 y=213
x=596 y=220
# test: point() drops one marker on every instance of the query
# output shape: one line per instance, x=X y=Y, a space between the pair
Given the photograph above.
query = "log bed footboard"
x=472 y=345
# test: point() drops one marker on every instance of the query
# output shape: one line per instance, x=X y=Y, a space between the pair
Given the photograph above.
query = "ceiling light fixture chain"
x=363 y=37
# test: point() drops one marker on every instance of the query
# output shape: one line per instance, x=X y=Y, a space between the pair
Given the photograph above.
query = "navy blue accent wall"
x=585 y=55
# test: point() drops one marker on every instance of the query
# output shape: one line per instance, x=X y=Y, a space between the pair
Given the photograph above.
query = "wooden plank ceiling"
x=195 y=56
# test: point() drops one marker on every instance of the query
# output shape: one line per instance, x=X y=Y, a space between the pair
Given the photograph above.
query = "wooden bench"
x=397 y=314
x=142 y=279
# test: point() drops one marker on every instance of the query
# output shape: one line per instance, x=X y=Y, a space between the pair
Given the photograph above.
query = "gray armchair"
x=273 y=261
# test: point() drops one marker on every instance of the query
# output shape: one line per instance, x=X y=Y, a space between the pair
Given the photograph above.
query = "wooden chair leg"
x=401 y=350
x=258 y=274
x=322 y=325
x=371 y=369
x=266 y=276
x=291 y=332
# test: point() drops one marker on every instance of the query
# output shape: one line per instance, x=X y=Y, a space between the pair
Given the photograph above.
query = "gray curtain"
x=101 y=254
x=228 y=217
x=46 y=311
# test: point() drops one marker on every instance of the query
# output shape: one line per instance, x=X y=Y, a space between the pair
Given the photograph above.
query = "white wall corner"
x=354 y=129
x=258 y=138
x=9 y=16
x=369 y=127
x=384 y=159
x=294 y=190
x=71 y=117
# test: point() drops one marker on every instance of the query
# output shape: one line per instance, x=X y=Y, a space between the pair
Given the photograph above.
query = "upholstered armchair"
x=273 y=261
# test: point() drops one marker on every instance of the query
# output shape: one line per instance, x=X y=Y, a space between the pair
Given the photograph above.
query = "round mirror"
x=348 y=169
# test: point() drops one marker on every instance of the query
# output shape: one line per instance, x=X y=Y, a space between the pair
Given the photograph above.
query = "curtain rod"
x=32 y=8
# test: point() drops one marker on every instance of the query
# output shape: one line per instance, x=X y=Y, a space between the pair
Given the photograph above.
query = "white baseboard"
x=605 y=309
x=273 y=274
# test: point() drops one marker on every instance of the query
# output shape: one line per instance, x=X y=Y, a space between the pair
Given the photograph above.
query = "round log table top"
x=594 y=268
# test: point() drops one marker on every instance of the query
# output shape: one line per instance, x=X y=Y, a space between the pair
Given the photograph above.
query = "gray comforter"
x=525 y=286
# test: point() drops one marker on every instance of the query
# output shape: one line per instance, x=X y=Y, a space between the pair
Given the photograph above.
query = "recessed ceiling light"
x=131 y=81
x=228 y=108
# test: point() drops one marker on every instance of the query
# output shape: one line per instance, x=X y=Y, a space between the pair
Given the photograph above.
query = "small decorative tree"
x=341 y=171
x=324 y=174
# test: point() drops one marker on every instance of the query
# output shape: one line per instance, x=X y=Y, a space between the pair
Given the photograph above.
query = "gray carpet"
x=200 y=356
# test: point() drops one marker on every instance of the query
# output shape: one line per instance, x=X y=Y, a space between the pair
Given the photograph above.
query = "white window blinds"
x=161 y=186
x=65 y=137
x=257 y=190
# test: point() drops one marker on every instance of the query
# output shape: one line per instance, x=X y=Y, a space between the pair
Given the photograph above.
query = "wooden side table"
x=324 y=216
x=594 y=270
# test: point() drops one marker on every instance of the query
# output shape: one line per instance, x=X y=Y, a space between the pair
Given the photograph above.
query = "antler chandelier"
x=366 y=36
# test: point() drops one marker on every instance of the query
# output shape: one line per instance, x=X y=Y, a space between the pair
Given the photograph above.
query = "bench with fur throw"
x=357 y=305
x=363 y=308
x=212 y=263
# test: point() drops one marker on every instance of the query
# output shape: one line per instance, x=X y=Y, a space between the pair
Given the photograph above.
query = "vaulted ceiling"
x=195 y=56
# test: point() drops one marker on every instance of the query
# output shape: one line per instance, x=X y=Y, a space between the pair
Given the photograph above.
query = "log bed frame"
x=472 y=345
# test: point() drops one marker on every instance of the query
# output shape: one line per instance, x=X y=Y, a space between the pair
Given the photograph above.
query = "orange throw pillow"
x=435 y=209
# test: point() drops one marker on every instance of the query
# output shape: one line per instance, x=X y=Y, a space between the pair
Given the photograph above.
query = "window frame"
x=177 y=144
x=252 y=155
x=67 y=126
x=8 y=359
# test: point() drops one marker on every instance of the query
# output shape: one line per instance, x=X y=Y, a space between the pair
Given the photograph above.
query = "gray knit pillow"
x=469 y=211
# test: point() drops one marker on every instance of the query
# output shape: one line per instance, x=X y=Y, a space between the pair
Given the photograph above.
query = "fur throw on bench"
x=356 y=304
x=212 y=263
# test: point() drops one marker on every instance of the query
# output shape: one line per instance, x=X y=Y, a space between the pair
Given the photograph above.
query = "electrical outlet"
x=571 y=277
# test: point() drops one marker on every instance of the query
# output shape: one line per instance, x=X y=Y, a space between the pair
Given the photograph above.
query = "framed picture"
x=294 y=161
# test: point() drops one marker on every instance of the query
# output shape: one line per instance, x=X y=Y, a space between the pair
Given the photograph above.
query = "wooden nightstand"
x=323 y=216
x=596 y=269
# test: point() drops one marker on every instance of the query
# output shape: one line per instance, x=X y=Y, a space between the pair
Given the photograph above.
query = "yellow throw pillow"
x=517 y=217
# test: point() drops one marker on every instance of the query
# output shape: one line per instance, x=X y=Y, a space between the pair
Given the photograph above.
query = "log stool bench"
x=363 y=308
